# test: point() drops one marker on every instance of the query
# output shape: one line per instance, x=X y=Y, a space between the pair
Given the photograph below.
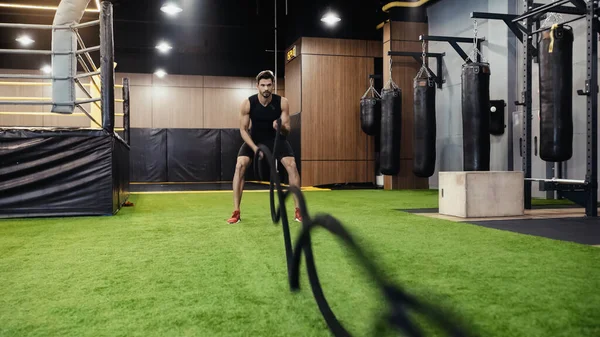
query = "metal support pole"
x=126 y=111
x=107 y=75
x=591 y=208
x=527 y=101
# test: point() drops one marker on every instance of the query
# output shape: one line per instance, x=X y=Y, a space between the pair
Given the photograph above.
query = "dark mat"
x=158 y=187
x=580 y=230
x=436 y=210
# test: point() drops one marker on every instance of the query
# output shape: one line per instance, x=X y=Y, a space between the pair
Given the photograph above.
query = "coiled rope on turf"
x=400 y=302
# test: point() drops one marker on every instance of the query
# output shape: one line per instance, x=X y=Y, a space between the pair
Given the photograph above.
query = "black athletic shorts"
x=284 y=150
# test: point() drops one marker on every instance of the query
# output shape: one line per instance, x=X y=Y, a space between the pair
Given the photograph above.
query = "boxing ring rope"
x=101 y=77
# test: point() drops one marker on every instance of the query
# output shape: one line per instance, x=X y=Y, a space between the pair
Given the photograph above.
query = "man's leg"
x=289 y=163
x=238 y=180
x=243 y=161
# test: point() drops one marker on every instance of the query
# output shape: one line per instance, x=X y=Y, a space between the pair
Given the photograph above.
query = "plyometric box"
x=480 y=194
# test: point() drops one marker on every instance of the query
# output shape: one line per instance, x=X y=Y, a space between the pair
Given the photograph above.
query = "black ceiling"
x=210 y=37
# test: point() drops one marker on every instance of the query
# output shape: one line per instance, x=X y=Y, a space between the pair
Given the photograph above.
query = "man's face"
x=265 y=87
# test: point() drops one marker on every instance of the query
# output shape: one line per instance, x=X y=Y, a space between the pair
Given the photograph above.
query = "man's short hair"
x=265 y=75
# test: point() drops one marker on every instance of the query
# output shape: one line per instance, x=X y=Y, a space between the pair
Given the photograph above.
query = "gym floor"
x=171 y=266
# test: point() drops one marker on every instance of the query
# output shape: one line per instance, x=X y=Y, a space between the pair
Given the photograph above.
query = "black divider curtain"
x=193 y=155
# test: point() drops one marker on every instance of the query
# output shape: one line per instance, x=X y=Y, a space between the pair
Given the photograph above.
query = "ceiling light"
x=331 y=19
x=171 y=8
x=46 y=69
x=160 y=73
x=25 y=40
x=163 y=47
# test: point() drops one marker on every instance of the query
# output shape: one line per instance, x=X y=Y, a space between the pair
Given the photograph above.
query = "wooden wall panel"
x=141 y=106
x=330 y=107
x=178 y=81
x=324 y=46
x=293 y=83
x=174 y=107
x=410 y=31
x=404 y=37
x=173 y=101
x=337 y=172
x=374 y=49
x=222 y=107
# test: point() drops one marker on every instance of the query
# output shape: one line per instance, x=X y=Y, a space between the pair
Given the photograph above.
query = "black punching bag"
x=556 y=85
x=391 y=130
x=424 y=128
x=370 y=115
x=476 y=116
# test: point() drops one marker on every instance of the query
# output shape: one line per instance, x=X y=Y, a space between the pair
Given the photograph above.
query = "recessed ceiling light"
x=46 y=69
x=331 y=19
x=171 y=8
x=163 y=47
x=160 y=73
x=25 y=40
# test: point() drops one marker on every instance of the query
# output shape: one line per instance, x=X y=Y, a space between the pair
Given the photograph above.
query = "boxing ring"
x=62 y=170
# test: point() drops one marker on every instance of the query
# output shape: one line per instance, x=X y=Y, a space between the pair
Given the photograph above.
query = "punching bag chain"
x=552 y=19
x=424 y=66
x=391 y=84
x=475 y=51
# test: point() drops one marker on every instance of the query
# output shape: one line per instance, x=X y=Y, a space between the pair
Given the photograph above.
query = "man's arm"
x=286 y=128
x=245 y=125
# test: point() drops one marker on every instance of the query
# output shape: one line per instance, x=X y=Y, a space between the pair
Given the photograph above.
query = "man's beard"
x=266 y=93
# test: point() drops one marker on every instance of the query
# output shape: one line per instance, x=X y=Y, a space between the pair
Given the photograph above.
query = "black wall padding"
x=193 y=154
x=424 y=128
x=61 y=173
x=476 y=116
x=556 y=96
x=231 y=141
x=497 y=125
x=121 y=173
x=391 y=131
x=148 y=155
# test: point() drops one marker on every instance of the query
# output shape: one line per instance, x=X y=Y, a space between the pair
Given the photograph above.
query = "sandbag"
x=370 y=115
x=556 y=85
x=476 y=116
x=391 y=131
x=424 y=128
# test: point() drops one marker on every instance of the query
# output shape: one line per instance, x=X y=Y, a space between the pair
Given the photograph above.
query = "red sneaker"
x=298 y=215
x=235 y=218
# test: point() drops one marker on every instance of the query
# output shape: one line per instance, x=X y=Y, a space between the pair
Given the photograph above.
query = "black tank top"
x=262 y=118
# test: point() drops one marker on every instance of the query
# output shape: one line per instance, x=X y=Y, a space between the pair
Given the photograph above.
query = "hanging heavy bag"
x=391 y=129
x=370 y=111
x=424 y=127
x=556 y=85
x=476 y=116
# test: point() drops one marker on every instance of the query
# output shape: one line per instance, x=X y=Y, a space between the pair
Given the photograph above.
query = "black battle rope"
x=398 y=300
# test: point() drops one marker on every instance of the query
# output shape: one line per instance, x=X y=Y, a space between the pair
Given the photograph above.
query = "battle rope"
x=399 y=301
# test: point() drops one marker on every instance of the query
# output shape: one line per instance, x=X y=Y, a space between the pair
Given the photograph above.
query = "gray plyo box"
x=479 y=194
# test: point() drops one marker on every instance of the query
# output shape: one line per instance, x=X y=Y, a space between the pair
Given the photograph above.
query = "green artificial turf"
x=171 y=266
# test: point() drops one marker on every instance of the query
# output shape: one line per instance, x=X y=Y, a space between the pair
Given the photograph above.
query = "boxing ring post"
x=107 y=72
x=126 y=107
